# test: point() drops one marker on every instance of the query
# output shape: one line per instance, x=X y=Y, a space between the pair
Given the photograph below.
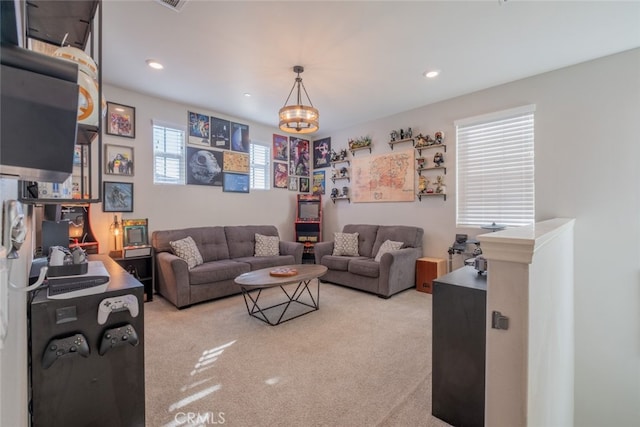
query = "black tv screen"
x=309 y=210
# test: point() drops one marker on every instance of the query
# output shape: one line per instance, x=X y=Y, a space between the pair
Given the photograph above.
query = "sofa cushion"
x=267 y=245
x=345 y=244
x=410 y=236
x=387 y=246
x=338 y=263
x=211 y=241
x=216 y=271
x=187 y=250
x=257 y=263
x=366 y=237
x=364 y=267
x=242 y=238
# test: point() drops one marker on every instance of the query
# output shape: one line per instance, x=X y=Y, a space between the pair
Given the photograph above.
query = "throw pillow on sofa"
x=387 y=246
x=345 y=244
x=187 y=250
x=267 y=245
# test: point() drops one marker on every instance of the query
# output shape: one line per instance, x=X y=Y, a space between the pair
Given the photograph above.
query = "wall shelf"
x=353 y=150
x=421 y=195
x=400 y=141
x=333 y=199
x=427 y=147
x=444 y=168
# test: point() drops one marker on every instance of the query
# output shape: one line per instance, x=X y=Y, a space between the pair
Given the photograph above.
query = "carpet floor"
x=358 y=361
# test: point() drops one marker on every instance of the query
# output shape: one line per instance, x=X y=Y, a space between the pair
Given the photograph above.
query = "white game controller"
x=121 y=303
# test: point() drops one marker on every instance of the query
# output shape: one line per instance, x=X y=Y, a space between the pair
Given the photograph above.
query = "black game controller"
x=74 y=344
x=116 y=337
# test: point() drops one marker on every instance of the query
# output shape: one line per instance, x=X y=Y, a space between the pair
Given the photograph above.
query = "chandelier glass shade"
x=299 y=118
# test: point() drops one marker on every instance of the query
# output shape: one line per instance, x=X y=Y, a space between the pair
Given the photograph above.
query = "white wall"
x=13 y=357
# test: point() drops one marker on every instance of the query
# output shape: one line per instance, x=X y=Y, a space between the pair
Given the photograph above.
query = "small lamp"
x=76 y=230
x=115 y=229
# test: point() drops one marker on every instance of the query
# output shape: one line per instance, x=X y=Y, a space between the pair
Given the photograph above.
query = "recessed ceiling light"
x=154 y=64
x=247 y=95
x=431 y=74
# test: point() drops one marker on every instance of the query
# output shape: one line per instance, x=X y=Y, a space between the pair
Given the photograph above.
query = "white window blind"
x=168 y=153
x=495 y=169
x=260 y=166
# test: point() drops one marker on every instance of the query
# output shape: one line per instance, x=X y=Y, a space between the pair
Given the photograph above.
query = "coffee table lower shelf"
x=292 y=300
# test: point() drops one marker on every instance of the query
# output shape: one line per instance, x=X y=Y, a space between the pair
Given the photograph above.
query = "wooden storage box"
x=427 y=269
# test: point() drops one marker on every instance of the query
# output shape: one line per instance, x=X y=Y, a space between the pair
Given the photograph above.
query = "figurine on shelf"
x=422 y=162
x=440 y=187
x=334 y=174
x=335 y=193
x=401 y=133
x=343 y=154
x=345 y=191
x=424 y=140
x=422 y=184
x=343 y=172
x=333 y=155
x=394 y=135
x=409 y=133
x=439 y=137
x=438 y=159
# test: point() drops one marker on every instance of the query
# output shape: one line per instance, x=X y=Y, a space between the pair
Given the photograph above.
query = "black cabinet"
x=140 y=267
x=74 y=378
x=459 y=344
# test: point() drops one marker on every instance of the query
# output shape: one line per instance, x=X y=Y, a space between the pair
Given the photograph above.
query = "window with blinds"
x=495 y=168
x=168 y=154
x=260 y=166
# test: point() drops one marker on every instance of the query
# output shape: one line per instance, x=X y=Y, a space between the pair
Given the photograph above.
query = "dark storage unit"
x=459 y=344
x=83 y=387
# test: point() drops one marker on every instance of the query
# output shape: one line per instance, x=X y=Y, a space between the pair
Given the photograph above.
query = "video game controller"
x=121 y=303
x=74 y=344
x=116 y=337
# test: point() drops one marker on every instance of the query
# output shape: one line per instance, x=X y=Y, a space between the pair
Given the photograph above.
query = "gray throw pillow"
x=387 y=246
x=187 y=250
x=267 y=245
x=345 y=244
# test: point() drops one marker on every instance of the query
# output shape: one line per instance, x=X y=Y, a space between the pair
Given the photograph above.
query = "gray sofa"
x=226 y=251
x=393 y=273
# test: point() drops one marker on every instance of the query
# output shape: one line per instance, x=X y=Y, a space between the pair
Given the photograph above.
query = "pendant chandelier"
x=299 y=118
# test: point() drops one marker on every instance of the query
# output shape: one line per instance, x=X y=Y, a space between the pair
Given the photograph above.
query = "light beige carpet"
x=358 y=361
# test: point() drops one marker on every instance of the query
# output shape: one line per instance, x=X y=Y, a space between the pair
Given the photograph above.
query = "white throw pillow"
x=345 y=244
x=267 y=245
x=387 y=246
x=187 y=250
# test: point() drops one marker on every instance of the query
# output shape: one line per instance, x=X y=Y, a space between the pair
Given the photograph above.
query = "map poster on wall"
x=235 y=162
x=383 y=178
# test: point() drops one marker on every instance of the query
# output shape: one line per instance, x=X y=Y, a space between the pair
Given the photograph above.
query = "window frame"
x=266 y=167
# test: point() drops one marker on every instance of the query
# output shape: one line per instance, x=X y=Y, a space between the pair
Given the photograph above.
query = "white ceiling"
x=363 y=59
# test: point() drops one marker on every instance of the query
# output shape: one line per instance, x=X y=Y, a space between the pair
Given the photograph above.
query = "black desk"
x=459 y=344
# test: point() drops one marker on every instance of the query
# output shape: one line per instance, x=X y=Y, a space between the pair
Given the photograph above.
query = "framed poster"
x=317 y=187
x=118 y=197
x=220 y=133
x=293 y=183
x=280 y=175
x=298 y=156
x=280 y=148
x=321 y=150
x=118 y=160
x=204 y=167
x=198 y=129
x=235 y=183
x=304 y=185
x=121 y=120
x=240 y=137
